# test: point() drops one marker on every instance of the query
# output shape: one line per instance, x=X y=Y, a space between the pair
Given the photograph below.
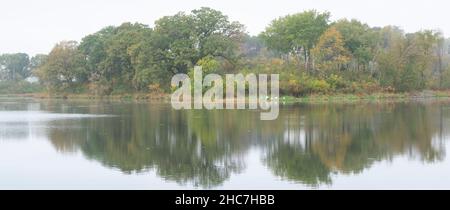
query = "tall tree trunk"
x=306 y=59
x=440 y=65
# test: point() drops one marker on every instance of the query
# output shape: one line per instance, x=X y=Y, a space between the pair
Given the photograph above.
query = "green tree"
x=14 y=67
x=94 y=48
x=360 y=40
x=407 y=61
x=179 y=42
x=187 y=38
x=252 y=47
x=216 y=35
x=37 y=61
x=389 y=56
x=108 y=55
x=64 y=67
x=297 y=34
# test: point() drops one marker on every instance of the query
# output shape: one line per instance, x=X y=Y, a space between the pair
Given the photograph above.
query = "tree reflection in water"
x=307 y=144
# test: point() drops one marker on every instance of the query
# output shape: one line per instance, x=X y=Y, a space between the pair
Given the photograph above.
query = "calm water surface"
x=112 y=145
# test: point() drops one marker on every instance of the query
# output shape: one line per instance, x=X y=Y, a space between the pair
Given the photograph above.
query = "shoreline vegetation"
x=428 y=95
x=316 y=59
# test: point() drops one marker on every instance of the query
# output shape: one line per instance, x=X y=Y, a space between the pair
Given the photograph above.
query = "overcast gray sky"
x=35 y=26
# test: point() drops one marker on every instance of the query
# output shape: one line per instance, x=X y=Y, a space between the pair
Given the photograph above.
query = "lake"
x=51 y=144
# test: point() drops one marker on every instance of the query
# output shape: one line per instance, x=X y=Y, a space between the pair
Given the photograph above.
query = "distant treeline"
x=312 y=54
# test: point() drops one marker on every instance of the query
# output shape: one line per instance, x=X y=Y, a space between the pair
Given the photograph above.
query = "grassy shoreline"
x=322 y=98
x=374 y=97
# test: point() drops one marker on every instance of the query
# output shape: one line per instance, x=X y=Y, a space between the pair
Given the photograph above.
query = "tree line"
x=312 y=54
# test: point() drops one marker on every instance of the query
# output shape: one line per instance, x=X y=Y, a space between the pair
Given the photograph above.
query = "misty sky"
x=34 y=26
